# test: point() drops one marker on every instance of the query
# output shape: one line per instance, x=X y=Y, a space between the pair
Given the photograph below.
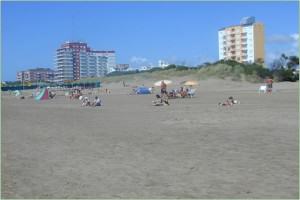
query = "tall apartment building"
x=75 y=60
x=243 y=43
x=37 y=74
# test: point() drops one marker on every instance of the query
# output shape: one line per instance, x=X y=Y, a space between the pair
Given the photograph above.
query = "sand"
x=130 y=149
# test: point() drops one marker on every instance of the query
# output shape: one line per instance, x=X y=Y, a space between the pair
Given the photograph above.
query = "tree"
x=293 y=62
x=259 y=61
x=279 y=63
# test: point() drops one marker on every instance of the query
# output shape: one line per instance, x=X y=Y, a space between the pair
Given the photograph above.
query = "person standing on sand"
x=269 y=83
x=163 y=88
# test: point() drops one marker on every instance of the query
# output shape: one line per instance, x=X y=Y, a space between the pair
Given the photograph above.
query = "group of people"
x=181 y=93
x=75 y=94
x=162 y=99
x=87 y=102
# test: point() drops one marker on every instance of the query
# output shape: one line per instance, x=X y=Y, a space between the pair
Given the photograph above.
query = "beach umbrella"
x=167 y=82
x=190 y=83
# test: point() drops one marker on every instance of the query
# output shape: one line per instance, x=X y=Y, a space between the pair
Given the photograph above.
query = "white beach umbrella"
x=190 y=83
x=158 y=83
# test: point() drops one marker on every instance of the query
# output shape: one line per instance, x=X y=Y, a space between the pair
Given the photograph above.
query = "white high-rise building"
x=75 y=60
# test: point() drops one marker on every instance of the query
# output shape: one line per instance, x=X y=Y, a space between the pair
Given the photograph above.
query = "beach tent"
x=43 y=95
x=143 y=90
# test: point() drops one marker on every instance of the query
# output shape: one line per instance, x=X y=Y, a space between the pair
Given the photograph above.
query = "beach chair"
x=191 y=93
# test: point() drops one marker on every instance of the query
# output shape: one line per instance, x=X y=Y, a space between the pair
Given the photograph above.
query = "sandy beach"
x=130 y=149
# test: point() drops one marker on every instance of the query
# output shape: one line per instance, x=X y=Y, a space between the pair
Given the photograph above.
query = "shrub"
x=285 y=75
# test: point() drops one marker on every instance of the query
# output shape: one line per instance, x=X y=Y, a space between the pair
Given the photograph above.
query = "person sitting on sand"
x=97 y=101
x=172 y=94
x=86 y=102
x=182 y=92
x=161 y=100
x=52 y=94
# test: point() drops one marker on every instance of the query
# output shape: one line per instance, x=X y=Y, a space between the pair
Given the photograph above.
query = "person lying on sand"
x=229 y=102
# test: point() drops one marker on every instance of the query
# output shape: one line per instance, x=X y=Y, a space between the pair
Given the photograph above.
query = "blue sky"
x=140 y=32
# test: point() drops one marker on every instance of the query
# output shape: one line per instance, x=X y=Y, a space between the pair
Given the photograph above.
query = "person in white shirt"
x=97 y=101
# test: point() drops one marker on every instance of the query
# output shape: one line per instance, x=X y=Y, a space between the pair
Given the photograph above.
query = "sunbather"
x=229 y=102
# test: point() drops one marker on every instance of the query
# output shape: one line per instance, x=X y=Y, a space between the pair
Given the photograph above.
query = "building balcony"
x=64 y=61
x=63 y=58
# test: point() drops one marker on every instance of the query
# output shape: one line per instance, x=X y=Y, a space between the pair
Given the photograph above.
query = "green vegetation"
x=282 y=69
x=229 y=69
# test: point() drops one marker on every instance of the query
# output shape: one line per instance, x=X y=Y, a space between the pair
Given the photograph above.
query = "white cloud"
x=279 y=44
x=138 y=60
x=295 y=36
x=283 y=38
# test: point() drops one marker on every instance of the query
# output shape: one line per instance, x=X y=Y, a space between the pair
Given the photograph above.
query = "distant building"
x=75 y=60
x=37 y=74
x=145 y=68
x=121 y=67
x=242 y=43
x=162 y=64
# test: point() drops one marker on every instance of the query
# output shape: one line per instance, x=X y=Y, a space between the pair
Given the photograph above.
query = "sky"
x=141 y=33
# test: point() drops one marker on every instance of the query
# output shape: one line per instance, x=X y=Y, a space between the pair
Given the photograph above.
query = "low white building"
x=144 y=68
x=162 y=64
